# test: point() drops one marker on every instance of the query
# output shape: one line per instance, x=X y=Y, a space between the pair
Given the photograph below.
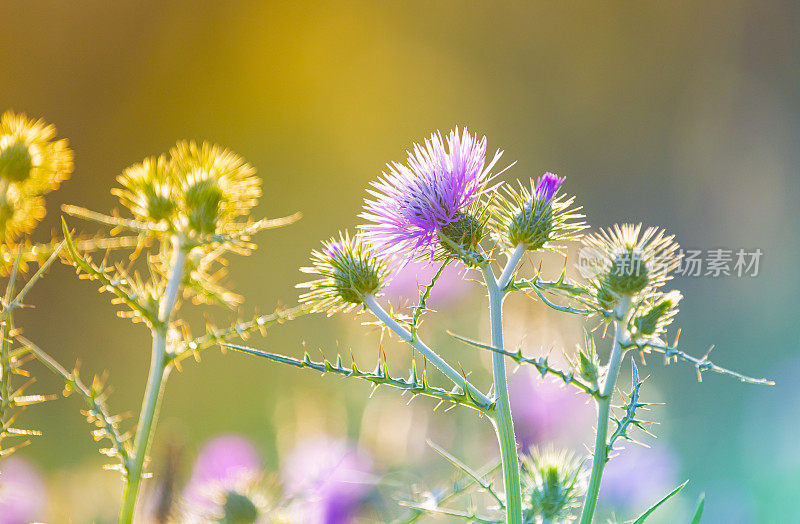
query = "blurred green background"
x=679 y=114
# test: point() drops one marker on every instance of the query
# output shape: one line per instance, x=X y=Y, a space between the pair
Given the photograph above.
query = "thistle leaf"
x=379 y=376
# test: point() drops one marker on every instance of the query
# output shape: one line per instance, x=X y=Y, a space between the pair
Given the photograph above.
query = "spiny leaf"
x=118 y=287
x=423 y=301
x=94 y=397
x=701 y=364
x=379 y=376
x=240 y=330
x=630 y=409
x=540 y=364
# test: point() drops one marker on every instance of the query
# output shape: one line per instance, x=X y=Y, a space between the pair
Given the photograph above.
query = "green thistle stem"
x=600 y=456
x=459 y=379
x=155 y=386
x=501 y=415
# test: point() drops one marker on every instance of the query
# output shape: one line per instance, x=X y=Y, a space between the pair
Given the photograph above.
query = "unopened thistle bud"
x=460 y=237
x=238 y=508
x=349 y=270
x=657 y=314
x=551 y=485
x=588 y=363
x=536 y=217
x=627 y=262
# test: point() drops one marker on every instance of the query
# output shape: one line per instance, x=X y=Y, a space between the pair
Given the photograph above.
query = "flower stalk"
x=159 y=369
x=501 y=415
x=601 y=448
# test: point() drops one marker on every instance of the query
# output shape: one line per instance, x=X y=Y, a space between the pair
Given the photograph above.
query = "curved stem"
x=501 y=417
x=600 y=455
x=511 y=266
x=459 y=379
x=155 y=386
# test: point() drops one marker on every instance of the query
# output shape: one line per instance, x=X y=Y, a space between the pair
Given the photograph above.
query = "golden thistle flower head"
x=31 y=163
x=30 y=157
x=198 y=189
x=148 y=190
x=213 y=186
x=19 y=213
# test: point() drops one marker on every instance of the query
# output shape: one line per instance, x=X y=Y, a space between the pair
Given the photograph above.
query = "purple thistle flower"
x=545 y=410
x=547 y=185
x=437 y=186
x=225 y=463
x=330 y=478
x=23 y=495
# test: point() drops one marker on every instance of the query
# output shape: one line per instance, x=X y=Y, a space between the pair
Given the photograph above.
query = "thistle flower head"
x=655 y=313
x=536 y=217
x=624 y=261
x=19 y=213
x=348 y=269
x=214 y=186
x=147 y=190
x=430 y=202
x=32 y=163
x=551 y=485
x=29 y=157
x=225 y=485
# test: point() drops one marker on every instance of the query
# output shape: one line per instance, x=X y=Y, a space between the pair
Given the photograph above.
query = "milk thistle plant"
x=445 y=204
x=190 y=209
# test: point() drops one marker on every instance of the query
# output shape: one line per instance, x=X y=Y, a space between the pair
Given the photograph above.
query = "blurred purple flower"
x=547 y=185
x=23 y=494
x=544 y=409
x=224 y=462
x=409 y=280
x=331 y=477
x=412 y=202
x=637 y=477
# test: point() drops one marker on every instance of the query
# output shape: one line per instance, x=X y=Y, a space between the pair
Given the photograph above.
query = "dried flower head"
x=551 y=485
x=623 y=260
x=430 y=203
x=348 y=269
x=29 y=157
x=536 y=217
x=32 y=163
x=148 y=190
x=19 y=213
x=214 y=185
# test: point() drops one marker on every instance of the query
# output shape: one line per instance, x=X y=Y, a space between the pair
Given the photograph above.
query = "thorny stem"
x=5 y=358
x=155 y=384
x=501 y=416
x=432 y=356
x=600 y=455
